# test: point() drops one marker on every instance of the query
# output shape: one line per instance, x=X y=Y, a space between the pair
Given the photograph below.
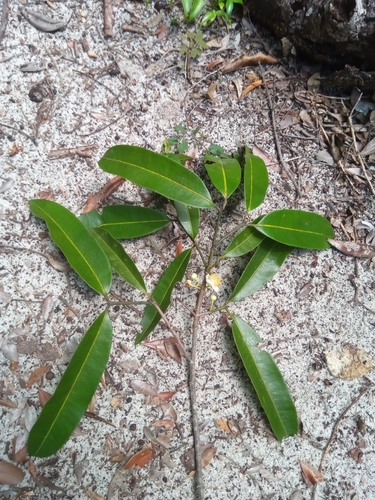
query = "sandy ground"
x=132 y=89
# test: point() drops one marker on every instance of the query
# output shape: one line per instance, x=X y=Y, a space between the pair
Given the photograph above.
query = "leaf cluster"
x=90 y=244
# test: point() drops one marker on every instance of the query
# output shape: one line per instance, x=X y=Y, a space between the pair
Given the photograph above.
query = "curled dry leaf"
x=173 y=350
x=96 y=200
x=311 y=473
x=178 y=248
x=10 y=473
x=214 y=63
x=349 y=363
x=251 y=87
x=245 y=60
x=62 y=267
x=360 y=250
x=223 y=424
x=143 y=387
x=37 y=374
x=140 y=459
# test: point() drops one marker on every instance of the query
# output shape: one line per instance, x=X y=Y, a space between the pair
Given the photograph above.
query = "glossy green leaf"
x=162 y=294
x=255 y=180
x=263 y=265
x=225 y=174
x=158 y=173
x=62 y=413
x=248 y=239
x=186 y=4
x=189 y=218
x=119 y=259
x=196 y=9
x=297 y=228
x=128 y=221
x=267 y=380
x=91 y=219
x=76 y=242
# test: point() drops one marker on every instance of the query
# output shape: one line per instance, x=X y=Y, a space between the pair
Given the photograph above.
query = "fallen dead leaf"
x=245 y=60
x=10 y=473
x=251 y=87
x=349 y=363
x=178 y=248
x=311 y=473
x=166 y=423
x=7 y=403
x=207 y=455
x=95 y=200
x=62 y=267
x=98 y=116
x=43 y=396
x=162 y=32
x=15 y=149
x=211 y=92
x=37 y=374
x=92 y=54
x=93 y=495
x=215 y=63
x=354 y=249
x=223 y=424
x=173 y=350
x=154 y=21
x=140 y=459
x=143 y=387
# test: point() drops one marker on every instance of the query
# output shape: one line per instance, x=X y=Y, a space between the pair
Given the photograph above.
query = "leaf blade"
x=62 y=413
x=189 y=218
x=162 y=293
x=119 y=259
x=268 y=382
x=225 y=174
x=255 y=180
x=83 y=253
x=264 y=264
x=297 y=228
x=245 y=241
x=127 y=221
x=158 y=173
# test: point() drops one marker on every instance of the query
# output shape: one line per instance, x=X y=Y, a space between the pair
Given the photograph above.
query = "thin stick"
x=334 y=432
x=278 y=147
x=32 y=139
x=359 y=157
x=193 y=396
x=108 y=19
x=4 y=18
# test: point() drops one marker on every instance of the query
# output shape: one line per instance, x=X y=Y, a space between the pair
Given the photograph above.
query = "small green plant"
x=222 y=8
x=192 y=44
x=90 y=244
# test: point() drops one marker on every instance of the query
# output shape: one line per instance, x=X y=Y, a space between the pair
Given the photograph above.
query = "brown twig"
x=359 y=157
x=108 y=19
x=95 y=200
x=334 y=432
x=193 y=396
x=4 y=18
x=277 y=142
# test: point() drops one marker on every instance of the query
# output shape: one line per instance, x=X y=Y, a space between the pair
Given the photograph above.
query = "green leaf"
x=255 y=180
x=119 y=259
x=62 y=413
x=91 y=219
x=264 y=264
x=76 y=242
x=225 y=174
x=267 y=380
x=248 y=239
x=186 y=4
x=189 y=218
x=178 y=157
x=128 y=221
x=297 y=228
x=158 y=173
x=162 y=294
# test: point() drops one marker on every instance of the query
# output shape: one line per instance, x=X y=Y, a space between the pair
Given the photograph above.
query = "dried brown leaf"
x=93 y=495
x=62 y=267
x=215 y=63
x=354 y=249
x=311 y=473
x=10 y=473
x=169 y=411
x=173 y=350
x=43 y=397
x=251 y=87
x=207 y=455
x=245 y=60
x=154 y=21
x=166 y=423
x=37 y=374
x=140 y=459
x=143 y=387
x=223 y=424
x=162 y=31
x=95 y=200
x=7 y=403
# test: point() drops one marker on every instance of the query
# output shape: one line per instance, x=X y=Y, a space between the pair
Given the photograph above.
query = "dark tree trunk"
x=332 y=31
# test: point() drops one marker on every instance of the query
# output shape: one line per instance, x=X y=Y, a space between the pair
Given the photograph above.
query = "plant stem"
x=214 y=238
x=193 y=396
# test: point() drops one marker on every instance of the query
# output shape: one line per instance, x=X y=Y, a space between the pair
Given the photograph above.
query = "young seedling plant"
x=90 y=244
